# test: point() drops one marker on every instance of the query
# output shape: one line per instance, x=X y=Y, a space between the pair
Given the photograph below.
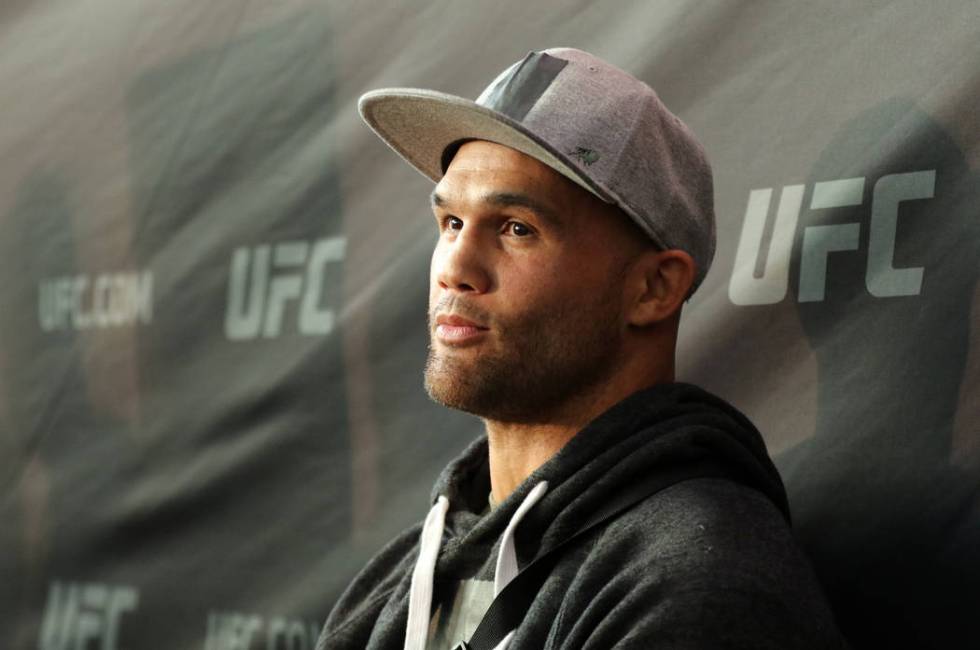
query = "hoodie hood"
x=653 y=429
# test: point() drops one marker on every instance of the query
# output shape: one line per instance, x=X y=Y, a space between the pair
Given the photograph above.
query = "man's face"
x=525 y=294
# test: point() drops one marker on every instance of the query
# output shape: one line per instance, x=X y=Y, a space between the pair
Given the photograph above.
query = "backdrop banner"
x=214 y=278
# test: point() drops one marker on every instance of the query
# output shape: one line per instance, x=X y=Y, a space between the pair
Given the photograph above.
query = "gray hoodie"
x=705 y=563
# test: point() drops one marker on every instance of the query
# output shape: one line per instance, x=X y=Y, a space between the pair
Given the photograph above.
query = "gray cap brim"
x=420 y=124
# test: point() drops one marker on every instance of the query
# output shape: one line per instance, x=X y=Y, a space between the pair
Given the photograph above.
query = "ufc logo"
x=266 y=278
x=761 y=277
x=85 y=615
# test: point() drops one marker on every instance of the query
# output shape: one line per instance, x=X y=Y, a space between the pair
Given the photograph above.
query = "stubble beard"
x=542 y=363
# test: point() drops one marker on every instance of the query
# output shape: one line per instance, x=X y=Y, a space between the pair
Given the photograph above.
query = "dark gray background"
x=167 y=486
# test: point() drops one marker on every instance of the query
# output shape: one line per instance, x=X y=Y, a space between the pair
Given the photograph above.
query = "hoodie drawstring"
x=420 y=596
x=507 y=556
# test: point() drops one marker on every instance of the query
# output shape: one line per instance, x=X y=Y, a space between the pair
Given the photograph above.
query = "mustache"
x=459 y=307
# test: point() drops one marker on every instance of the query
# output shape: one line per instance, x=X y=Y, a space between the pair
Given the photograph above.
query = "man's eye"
x=517 y=229
x=453 y=223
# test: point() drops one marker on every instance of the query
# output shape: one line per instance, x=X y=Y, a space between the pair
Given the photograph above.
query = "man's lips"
x=455 y=329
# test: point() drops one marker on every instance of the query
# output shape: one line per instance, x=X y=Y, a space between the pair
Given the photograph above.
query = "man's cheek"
x=433 y=282
x=523 y=284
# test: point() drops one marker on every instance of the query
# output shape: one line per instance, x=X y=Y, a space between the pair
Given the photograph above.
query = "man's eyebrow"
x=506 y=200
x=517 y=199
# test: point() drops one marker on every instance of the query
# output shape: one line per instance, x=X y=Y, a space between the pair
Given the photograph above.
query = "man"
x=575 y=218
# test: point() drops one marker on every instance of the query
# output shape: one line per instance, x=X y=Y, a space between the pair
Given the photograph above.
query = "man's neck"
x=517 y=449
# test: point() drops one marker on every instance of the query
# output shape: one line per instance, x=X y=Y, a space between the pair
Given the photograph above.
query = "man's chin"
x=446 y=388
x=459 y=386
x=453 y=399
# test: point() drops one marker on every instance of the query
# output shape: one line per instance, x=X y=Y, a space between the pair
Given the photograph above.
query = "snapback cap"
x=586 y=119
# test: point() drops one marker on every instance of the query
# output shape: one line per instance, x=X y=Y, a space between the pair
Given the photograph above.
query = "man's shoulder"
x=708 y=540
x=370 y=589
x=707 y=558
x=721 y=501
x=704 y=521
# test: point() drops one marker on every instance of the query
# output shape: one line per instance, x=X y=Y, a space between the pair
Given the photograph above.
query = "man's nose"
x=460 y=264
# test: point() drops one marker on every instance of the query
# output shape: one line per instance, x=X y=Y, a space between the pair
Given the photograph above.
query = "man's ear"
x=659 y=283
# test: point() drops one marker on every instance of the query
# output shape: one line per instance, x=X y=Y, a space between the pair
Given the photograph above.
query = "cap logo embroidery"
x=587 y=156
